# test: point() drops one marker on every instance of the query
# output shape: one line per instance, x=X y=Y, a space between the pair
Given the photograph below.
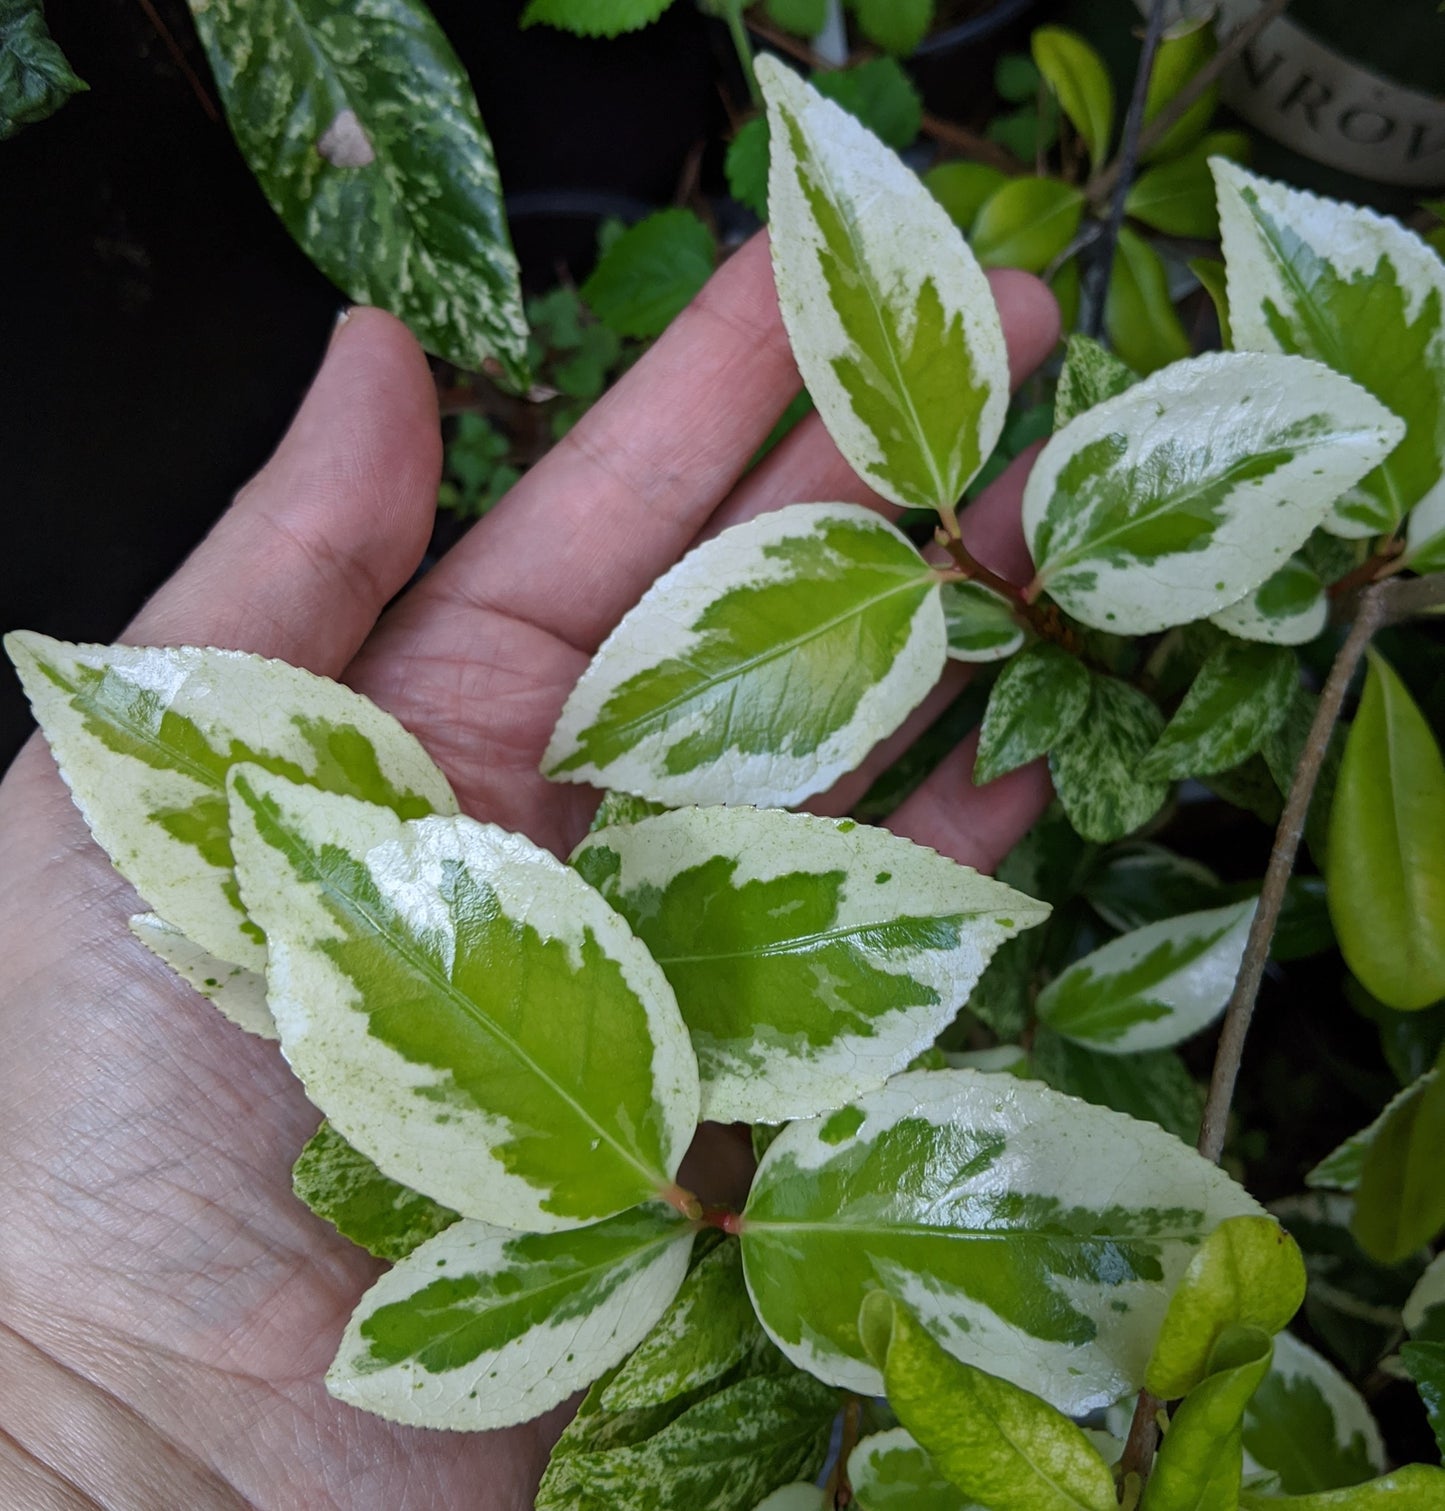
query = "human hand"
x=167 y=1307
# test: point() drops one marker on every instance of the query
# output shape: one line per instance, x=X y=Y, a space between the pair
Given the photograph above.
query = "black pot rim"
x=976 y=30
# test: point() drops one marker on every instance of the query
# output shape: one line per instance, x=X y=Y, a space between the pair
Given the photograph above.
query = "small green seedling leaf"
x=707 y=690
x=35 y=78
x=594 y=18
x=890 y=1472
x=1248 y=1273
x=1400 y=1197
x=980 y=623
x=239 y=994
x=894 y=25
x=1153 y=987
x=1187 y=491
x=812 y=958
x=406 y=961
x=481 y=1327
x=1340 y=1169
x=1139 y=316
x=889 y=315
x=647 y=276
x=1038 y=699
x=1091 y=373
x=962 y=187
x=1000 y=1445
x=1288 y=608
x=1077 y=75
x=1026 y=223
x=1183 y=50
x=1386 y=860
x=1035 y=1236
x=1096 y=766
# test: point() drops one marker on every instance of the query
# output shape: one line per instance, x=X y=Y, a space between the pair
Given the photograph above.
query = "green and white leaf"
x=1077 y=75
x=1091 y=373
x=890 y=1472
x=1340 y=1170
x=1095 y=767
x=1141 y=882
x=802 y=1496
x=999 y=1444
x=979 y=623
x=1036 y=1237
x=890 y=317
x=362 y=130
x=1416 y=1487
x=761 y=667
x=1309 y=1425
x=144 y=738
x=407 y=962
x=878 y=92
x=1187 y=491
x=1359 y=292
x=343 y=1187
x=1040 y=696
x=1239 y=698
x=238 y=993
x=812 y=958
x=1152 y=987
x=1288 y=608
x=1155 y=1087
x=35 y=78
x=1424 y=1310
x=481 y=1327
x=1424 y=1355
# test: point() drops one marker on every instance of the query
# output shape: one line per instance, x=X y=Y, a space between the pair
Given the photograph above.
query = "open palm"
x=167 y=1308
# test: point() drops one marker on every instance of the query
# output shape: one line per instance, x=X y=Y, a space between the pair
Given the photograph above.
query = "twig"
x=179 y=58
x=1143 y=1440
x=838 y=1492
x=1126 y=165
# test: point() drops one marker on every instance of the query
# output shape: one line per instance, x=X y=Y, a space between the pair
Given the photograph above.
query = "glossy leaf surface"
x=890 y=1472
x=1096 y=767
x=1288 y=608
x=1154 y=1087
x=1026 y=223
x=35 y=78
x=1038 y=699
x=1139 y=316
x=1091 y=373
x=1340 y=1169
x=1400 y=1197
x=1077 y=75
x=979 y=622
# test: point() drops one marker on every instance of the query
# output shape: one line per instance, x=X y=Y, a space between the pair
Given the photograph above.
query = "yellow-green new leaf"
x=1248 y=1273
x=962 y=187
x=890 y=1472
x=1289 y=608
x=1177 y=197
x=408 y=965
x=890 y=317
x=1035 y=1236
x=1340 y=1169
x=1385 y=864
x=144 y=738
x=1400 y=1197
x=1188 y=490
x=481 y=1327
x=812 y=958
x=1184 y=49
x=1356 y=290
x=1077 y=75
x=762 y=667
x=1416 y=1487
x=1002 y=1446
x=239 y=994
x=1139 y=316
x=1026 y=223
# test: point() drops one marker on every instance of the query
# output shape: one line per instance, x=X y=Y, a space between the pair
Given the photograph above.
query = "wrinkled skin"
x=167 y=1308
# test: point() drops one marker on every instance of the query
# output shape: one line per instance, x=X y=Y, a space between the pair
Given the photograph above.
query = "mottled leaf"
x=35 y=78
x=1288 y=608
x=650 y=273
x=1077 y=75
x=407 y=960
x=1026 y=223
x=1096 y=767
x=594 y=18
x=890 y=1472
x=1400 y=1197
x=1038 y=699
x=1340 y=1169
x=800 y=1496
x=980 y=623
x=1139 y=316
x=1155 y=1087
x=1141 y=882
x=1424 y=1311
x=1091 y=373
x=761 y=667
x=238 y=993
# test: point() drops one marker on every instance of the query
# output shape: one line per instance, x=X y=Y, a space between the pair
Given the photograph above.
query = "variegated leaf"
x=1038 y=699
x=812 y=958
x=1091 y=373
x=1035 y=1236
x=481 y=1327
x=1188 y=490
x=1424 y=1311
x=362 y=130
x=144 y=738
x=1340 y=1169
x=1153 y=987
x=1288 y=608
x=801 y=1496
x=408 y=962
x=890 y=317
x=1415 y=1487
x=238 y=993
x=1095 y=767
x=1359 y=292
x=890 y=1472
x=761 y=667
x=980 y=624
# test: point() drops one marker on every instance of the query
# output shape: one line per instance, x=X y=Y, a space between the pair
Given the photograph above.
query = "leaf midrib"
x=800 y=943
x=963 y=1235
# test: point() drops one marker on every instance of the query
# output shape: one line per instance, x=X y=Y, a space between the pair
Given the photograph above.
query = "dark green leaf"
x=1426 y=1364
x=1281 y=752
x=880 y=94
x=1096 y=767
x=1039 y=697
x=1400 y=1201
x=804 y=18
x=594 y=18
x=1155 y=1087
x=1016 y=78
x=746 y=166
x=1140 y=882
x=35 y=79
x=895 y=25
x=650 y=273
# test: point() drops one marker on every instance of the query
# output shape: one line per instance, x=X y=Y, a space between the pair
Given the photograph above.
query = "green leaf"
x=1077 y=75
x=1177 y=197
x=481 y=1327
x=746 y=166
x=1425 y=1363
x=406 y=962
x=1090 y=374
x=237 y=993
x=1015 y=78
x=650 y=273
x=1187 y=491
x=1309 y=1425
x=1140 y=882
x=707 y=692
x=1211 y=273
x=1359 y=292
x=1282 y=751
x=622 y=808
x=962 y=187
x=1139 y=314
x=1424 y=1310
x=895 y=25
x=811 y=957
x=345 y=1188
x=1248 y=1273
x=879 y=94
x=1000 y=1445
x=144 y=739
x=890 y=317
x=890 y=1472
x=1288 y=608
x=1096 y=766
x=1036 y=1237
x=1416 y=1487
x=800 y=1496
x=362 y=130
x=1154 y=1087
x=1183 y=50
x=804 y=18
x=35 y=79
x=1026 y=223
x=980 y=623
x=1040 y=696
x=1386 y=861
x=594 y=18
x=1238 y=700
x=1152 y=987
x=1340 y=1170
x=1400 y=1198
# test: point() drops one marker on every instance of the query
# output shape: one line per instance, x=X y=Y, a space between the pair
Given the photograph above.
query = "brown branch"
x=838 y=1492
x=179 y=58
x=1143 y=1440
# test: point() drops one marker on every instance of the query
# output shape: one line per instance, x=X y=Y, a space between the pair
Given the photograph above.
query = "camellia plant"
x=512 y=1054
